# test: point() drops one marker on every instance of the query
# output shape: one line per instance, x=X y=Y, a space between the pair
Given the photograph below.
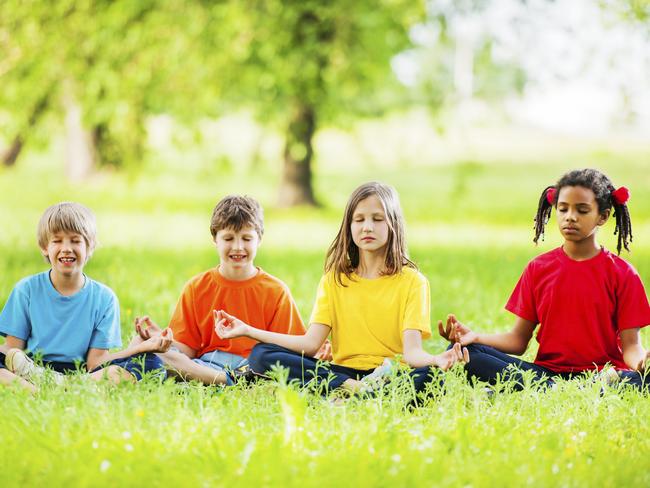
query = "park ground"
x=469 y=227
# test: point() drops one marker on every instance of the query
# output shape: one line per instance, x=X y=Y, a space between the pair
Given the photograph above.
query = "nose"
x=572 y=215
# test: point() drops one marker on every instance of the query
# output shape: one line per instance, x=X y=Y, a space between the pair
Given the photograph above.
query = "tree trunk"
x=10 y=155
x=296 y=185
x=80 y=156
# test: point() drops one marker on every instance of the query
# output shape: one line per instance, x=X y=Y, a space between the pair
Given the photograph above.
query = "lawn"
x=470 y=230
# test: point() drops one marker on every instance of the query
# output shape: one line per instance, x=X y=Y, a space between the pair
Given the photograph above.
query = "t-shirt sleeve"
x=286 y=318
x=106 y=332
x=321 y=314
x=417 y=313
x=522 y=301
x=632 y=308
x=14 y=319
x=183 y=322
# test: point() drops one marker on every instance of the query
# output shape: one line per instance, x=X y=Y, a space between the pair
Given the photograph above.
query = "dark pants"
x=307 y=370
x=487 y=364
x=137 y=365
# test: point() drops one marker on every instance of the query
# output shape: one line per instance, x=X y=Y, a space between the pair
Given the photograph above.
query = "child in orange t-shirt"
x=237 y=286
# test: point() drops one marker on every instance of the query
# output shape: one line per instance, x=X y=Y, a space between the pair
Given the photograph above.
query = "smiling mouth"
x=68 y=260
x=237 y=257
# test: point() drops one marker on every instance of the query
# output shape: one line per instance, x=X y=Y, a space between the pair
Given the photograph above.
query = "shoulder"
x=104 y=292
x=554 y=256
x=272 y=283
x=31 y=280
x=620 y=265
x=412 y=276
x=31 y=283
x=328 y=279
x=542 y=263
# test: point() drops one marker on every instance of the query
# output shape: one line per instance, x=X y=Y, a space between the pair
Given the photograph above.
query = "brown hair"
x=343 y=254
x=235 y=212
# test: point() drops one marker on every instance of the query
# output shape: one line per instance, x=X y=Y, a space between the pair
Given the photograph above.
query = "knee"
x=477 y=349
x=117 y=374
x=260 y=357
x=152 y=363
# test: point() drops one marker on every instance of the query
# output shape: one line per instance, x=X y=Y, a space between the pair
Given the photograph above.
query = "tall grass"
x=470 y=233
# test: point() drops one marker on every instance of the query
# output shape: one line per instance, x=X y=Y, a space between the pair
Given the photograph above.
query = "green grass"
x=470 y=232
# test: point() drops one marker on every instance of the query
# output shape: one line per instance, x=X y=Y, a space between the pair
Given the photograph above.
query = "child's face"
x=67 y=252
x=577 y=213
x=237 y=249
x=369 y=227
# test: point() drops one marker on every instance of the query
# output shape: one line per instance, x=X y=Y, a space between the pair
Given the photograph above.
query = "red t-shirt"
x=581 y=307
x=263 y=301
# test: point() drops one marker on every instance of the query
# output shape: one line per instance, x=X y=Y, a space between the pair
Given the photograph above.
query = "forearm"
x=634 y=356
x=301 y=344
x=185 y=349
x=507 y=342
x=108 y=356
x=419 y=358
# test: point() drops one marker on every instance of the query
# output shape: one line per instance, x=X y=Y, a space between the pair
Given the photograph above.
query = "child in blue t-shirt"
x=66 y=318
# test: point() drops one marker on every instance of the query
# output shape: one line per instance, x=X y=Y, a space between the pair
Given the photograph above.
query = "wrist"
x=249 y=332
x=436 y=360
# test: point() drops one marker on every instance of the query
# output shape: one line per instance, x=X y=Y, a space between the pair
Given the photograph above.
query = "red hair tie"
x=621 y=195
x=550 y=195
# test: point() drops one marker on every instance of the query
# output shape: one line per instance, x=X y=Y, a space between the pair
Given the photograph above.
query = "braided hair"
x=602 y=187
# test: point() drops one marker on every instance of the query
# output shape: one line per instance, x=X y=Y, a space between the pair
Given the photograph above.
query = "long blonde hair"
x=343 y=254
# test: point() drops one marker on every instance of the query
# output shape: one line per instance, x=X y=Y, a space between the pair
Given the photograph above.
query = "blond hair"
x=343 y=254
x=236 y=212
x=67 y=217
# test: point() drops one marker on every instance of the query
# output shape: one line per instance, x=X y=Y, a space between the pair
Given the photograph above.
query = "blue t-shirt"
x=58 y=327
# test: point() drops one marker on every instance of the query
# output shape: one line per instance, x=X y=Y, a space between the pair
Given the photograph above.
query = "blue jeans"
x=137 y=365
x=307 y=370
x=487 y=363
x=222 y=361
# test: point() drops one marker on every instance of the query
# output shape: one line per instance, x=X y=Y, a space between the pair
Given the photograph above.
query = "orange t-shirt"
x=262 y=301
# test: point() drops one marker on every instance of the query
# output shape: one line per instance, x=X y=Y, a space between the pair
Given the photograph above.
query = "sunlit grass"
x=469 y=229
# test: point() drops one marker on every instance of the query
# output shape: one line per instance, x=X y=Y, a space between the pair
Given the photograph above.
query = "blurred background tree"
x=103 y=69
x=301 y=64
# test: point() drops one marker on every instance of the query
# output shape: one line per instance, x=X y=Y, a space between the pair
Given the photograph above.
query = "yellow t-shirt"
x=368 y=316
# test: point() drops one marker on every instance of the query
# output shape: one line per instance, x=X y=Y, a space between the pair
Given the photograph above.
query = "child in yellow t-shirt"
x=371 y=299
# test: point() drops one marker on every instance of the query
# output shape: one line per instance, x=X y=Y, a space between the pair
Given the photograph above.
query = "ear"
x=45 y=256
x=604 y=217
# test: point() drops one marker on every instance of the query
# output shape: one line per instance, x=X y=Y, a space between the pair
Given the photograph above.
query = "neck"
x=583 y=250
x=237 y=274
x=371 y=264
x=67 y=285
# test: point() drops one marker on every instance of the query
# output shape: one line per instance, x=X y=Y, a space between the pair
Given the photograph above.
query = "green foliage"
x=325 y=55
x=121 y=61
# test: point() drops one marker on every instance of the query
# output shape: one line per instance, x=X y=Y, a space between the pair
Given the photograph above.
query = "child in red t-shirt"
x=589 y=303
